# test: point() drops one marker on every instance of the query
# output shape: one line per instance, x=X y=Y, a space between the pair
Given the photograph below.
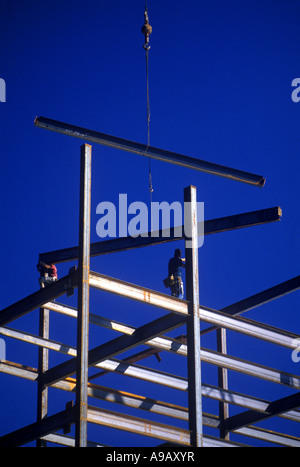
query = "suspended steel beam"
x=38 y=299
x=222 y=224
x=83 y=296
x=115 y=346
x=153 y=153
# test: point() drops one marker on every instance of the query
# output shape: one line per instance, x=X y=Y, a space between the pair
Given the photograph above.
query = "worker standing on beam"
x=174 y=280
x=48 y=274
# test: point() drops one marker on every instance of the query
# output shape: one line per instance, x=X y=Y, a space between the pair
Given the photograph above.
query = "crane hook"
x=146 y=30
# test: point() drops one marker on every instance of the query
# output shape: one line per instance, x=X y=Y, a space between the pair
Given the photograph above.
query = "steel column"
x=193 y=320
x=222 y=380
x=83 y=297
x=43 y=365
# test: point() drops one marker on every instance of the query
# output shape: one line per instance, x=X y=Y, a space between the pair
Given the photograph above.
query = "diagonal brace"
x=252 y=416
x=115 y=346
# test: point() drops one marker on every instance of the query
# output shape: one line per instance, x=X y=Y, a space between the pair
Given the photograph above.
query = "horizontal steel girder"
x=153 y=376
x=222 y=224
x=243 y=325
x=149 y=151
x=149 y=428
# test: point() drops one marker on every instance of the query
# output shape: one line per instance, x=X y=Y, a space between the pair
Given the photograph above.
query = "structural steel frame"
x=72 y=375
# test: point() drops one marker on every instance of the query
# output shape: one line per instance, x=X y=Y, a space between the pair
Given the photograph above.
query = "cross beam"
x=114 y=245
x=149 y=151
x=114 y=347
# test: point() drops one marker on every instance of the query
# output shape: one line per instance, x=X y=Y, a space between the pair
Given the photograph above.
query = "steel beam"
x=115 y=346
x=251 y=416
x=38 y=299
x=215 y=358
x=138 y=293
x=153 y=376
x=37 y=430
x=148 y=428
x=269 y=436
x=193 y=320
x=149 y=151
x=249 y=368
x=83 y=296
x=143 y=294
x=222 y=380
x=43 y=365
x=236 y=323
x=250 y=327
x=222 y=224
x=69 y=441
x=259 y=299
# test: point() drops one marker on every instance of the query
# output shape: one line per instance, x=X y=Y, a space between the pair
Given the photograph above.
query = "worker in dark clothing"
x=48 y=274
x=175 y=274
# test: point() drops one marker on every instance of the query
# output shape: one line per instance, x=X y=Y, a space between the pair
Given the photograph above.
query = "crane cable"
x=147 y=30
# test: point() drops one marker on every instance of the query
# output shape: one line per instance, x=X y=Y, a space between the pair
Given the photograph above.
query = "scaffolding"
x=72 y=375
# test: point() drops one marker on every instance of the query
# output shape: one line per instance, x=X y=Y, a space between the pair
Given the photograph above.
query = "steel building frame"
x=72 y=375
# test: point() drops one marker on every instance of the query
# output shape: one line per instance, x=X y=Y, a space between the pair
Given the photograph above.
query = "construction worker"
x=48 y=274
x=175 y=274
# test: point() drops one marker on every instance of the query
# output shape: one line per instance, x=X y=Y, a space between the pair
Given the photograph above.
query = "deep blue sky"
x=220 y=89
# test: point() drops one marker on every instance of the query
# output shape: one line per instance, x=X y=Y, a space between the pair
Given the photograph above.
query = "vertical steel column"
x=83 y=297
x=43 y=365
x=193 y=321
x=222 y=381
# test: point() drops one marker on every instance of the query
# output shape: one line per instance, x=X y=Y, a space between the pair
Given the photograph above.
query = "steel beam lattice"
x=72 y=375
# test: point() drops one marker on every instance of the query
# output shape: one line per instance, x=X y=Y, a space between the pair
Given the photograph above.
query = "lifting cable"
x=146 y=30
